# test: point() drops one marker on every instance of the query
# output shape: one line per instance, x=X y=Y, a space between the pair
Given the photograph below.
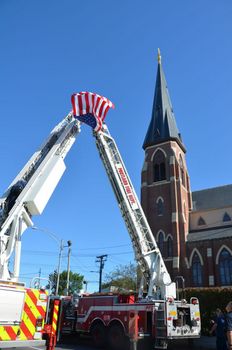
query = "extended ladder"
x=146 y=250
x=40 y=177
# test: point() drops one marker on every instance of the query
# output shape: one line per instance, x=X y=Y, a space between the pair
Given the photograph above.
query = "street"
x=204 y=343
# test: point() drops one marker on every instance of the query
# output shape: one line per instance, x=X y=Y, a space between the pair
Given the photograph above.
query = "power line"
x=109 y=247
x=49 y=253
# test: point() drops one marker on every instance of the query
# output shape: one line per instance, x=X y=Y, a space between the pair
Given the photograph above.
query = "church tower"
x=165 y=187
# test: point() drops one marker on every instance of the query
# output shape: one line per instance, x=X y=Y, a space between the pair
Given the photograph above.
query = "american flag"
x=90 y=108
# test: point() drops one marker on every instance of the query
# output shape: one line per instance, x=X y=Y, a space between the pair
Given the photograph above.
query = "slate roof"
x=163 y=124
x=216 y=233
x=212 y=198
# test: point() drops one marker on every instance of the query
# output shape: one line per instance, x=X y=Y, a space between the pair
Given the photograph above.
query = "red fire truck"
x=121 y=321
x=28 y=316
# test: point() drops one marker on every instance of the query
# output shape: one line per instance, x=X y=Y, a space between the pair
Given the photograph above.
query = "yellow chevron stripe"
x=28 y=323
x=30 y=326
x=22 y=336
x=55 y=316
x=34 y=310
x=37 y=293
x=56 y=309
x=54 y=326
x=32 y=306
x=15 y=329
x=3 y=334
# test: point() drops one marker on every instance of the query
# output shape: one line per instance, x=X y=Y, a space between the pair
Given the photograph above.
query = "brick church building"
x=193 y=229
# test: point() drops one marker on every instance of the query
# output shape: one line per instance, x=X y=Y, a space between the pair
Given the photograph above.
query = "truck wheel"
x=98 y=334
x=116 y=338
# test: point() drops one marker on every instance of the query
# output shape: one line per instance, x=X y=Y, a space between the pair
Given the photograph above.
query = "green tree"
x=124 y=277
x=75 y=282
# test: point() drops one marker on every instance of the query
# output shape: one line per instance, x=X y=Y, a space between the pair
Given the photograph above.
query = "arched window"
x=159 y=166
x=196 y=270
x=160 y=207
x=182 y=171
x=161 y=242
x=201 y=221
x=225 y=267
x=170 y=247
x=226 y=217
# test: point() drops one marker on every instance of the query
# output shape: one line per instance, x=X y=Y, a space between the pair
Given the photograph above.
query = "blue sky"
x=50 y=49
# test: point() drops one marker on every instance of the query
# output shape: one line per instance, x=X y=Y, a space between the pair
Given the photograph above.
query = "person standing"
x=229 y=324
x=219 y=327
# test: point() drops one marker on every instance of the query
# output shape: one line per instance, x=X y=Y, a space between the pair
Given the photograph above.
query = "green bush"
x=209 y=299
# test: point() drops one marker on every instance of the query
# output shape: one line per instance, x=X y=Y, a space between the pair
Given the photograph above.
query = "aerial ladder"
x=30 y=191
x=23 y=310
x=147 y=253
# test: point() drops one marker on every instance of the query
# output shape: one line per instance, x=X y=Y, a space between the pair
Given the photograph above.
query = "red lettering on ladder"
x=126 y=186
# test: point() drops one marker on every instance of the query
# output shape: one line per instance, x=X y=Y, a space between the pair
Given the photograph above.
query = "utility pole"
x=101 y=259
x=68 y=267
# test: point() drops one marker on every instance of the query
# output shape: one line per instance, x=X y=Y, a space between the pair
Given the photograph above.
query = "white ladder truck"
x=21 y=320
x=175 y=319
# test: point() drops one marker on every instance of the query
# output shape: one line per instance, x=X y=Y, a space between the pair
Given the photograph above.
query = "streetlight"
x=59 y=263
x=61 y=245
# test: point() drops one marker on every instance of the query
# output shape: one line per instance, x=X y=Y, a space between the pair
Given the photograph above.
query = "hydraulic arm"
x=146 y=250
x=30 y=191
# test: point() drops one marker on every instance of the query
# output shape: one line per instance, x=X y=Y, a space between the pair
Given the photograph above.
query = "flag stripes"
x=90 y=108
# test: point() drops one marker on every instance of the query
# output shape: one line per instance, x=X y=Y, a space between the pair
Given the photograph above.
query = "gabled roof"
x=163 y=124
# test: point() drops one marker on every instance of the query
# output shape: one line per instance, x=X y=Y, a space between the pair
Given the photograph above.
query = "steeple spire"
x=163 y=124
x=159 y=56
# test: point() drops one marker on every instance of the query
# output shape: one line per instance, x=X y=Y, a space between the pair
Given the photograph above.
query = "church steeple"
x=165 y=185
x=163 y=124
